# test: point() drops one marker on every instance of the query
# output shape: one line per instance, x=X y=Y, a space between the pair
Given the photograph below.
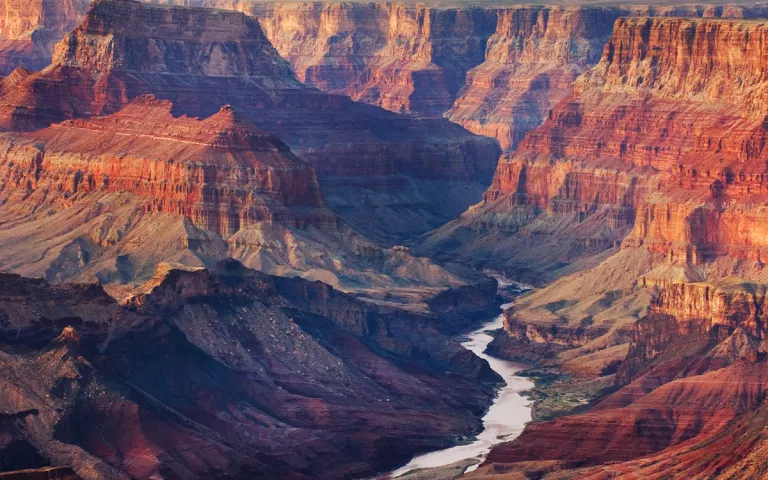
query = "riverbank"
x=505 y=419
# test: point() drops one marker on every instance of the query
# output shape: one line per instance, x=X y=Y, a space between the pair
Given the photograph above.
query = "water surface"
x=505 y=419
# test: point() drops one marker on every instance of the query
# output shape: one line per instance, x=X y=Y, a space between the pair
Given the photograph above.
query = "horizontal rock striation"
x=405 y=58
x=665 y=136
x=220 y=172
x=29 y=29
x=702 y=309
x=109 y=197
x=497 y=71
x=202 y=59
x=691 y=377
x=530 y=62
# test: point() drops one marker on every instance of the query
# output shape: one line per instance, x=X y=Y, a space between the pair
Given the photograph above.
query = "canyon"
x=495 y=70
x=103 y=148
x=184 y=379
x=372 y=165
x=643 y=148
x=656 y=157
x=248 y=232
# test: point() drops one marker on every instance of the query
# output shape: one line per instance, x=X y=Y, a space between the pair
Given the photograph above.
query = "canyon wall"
x=221 y=173
x=536 y=53
x=30 y=28
x=666 y=134
x=533 y=56
x=297 y=366
x=675 y=108
x=693 y=376
x=497 y=71
x=369 y=161
x=107 y=172
x=405 y=58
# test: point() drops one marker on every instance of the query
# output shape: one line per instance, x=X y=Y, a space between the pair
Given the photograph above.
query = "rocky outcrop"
x=82 y=198
x=706 y=311
x=730 y=302
x=691 y=377
x=665 y=144
x=227 y=372
x=221 y=173
x=530 y=62
x=30 y=29
x=495 y=71
x=677 y=417
x=125 y=49
x=405 y=58
x=110 y=197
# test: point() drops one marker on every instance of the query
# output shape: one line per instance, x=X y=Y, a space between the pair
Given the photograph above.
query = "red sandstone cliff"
x=666 y=134
x=496 y=71
x=694 y=376
x=30 y=28
x=109 y=60
x=530 y=62
x=109 y=197
x=220 y=172
x=674 y=114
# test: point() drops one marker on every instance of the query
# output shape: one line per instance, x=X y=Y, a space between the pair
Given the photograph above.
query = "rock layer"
x=125 y=49
x=674 y=109
x=220 y=172
x=496 y=71
x=227 y=372
x=30 y=28
x=664 y=137
x=109 y=197
x=530 y=62
x=405 y=58
x=692 y=376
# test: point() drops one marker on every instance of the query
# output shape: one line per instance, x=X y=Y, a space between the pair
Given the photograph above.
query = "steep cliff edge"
x=29 y=29
x=405 y=58
x=693 y=376
x=662 y=138
x=125 y=49
x=530 y=62
x=110 y=197
x=220 y=172
x=107 y=183
x=497 y=71
x=226 y=372
x=666 y=133
x=536 y=53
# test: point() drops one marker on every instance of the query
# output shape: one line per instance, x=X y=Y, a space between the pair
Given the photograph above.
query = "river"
x=505 y=419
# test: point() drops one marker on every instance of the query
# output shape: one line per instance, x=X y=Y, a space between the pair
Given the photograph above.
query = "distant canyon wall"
x=495 y=71
x=30 y=28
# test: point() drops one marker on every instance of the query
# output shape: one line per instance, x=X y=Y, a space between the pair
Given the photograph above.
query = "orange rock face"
x=405 y=58
x=221 y=173
x=495 y=71
x=693 y=375
x=111 y=58
x=146 y=141
x=30 y=28
x=666 y=134
x=530 y=62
